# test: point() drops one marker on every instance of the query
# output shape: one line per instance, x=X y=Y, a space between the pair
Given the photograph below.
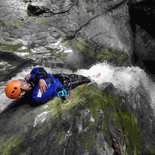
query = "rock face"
x=102 y=26
x=11 y=64
x=143 y=21
x=79 y=33
x=92 y=121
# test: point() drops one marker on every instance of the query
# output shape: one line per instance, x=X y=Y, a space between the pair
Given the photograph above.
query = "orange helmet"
x=13 y=89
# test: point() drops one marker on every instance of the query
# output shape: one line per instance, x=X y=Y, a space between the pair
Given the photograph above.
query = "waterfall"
x=123 y=78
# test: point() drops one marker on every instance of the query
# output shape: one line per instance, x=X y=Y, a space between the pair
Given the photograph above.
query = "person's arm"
x=37 y=73
x=37 y=76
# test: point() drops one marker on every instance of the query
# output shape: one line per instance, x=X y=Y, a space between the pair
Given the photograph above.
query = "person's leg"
x=77 y=80
x=70 y=81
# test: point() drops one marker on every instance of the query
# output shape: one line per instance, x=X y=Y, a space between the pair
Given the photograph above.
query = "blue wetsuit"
x=54 y=84
x=58 y=85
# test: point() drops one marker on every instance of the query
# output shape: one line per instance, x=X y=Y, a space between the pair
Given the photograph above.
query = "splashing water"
x=123 y=78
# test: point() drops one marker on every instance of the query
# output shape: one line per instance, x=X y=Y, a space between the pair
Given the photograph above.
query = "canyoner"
x=39 y=86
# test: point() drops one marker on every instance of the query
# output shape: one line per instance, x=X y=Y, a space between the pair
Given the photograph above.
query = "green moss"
x=86 y=97
x=91 y=55
x=128 y=123
x=89 y=97
x=57 y=53
x=43 y=22
x=121 y=57
x=61 y=55
x=24 y=51
x=111 y=55
x=150 y=151
x=9 y=47
x=7 y=145
x=89 y=141
x=15 y=23
x=80 y=45
x=105 y=54
x=13 y=48
x=65 y=43
x=112 y=111
x=60 y=137
x=52 y=50
x=132 y=133
x=55 y=107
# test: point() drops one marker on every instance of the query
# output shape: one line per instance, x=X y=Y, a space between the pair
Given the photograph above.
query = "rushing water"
x=123 y=78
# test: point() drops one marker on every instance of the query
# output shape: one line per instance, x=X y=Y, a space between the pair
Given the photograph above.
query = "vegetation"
x=13 y=48
x=10 y=144
x=9 y=47
x=42 y=21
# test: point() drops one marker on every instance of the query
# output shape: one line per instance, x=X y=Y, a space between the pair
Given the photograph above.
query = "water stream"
x=123 y=78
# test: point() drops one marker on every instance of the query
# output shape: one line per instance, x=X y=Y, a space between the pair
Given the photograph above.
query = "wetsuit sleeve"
x=36 y=74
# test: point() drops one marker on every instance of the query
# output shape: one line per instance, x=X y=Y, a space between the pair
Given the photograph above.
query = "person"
x=40 y=86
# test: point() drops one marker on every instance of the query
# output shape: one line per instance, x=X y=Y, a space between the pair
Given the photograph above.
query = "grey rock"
x=101 y=24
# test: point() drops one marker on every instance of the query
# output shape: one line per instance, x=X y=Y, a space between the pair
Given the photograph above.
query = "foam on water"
x=123 y=78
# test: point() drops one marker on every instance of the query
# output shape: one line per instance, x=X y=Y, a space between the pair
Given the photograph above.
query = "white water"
x=123 y=78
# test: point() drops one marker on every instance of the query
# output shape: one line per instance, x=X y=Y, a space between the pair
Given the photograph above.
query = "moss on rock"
x=111 y=55
x=24 y=51
x=80 y=45
x=16 y=23
x=42 y=22
x=56 y=53
x=94 y=99
x=124 y=120
x=67 y=124
x=102 y=54
x=9 y=47
x=10 y=145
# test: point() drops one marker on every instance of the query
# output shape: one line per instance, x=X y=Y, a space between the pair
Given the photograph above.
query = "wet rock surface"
x=91 y=122
x=99 y=25
x=11 y=64
x=102 y=26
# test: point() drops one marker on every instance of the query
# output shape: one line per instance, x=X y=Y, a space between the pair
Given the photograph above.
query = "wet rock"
x=107 y=87
x=65 y=128
x=13 y=65
x=100 y=24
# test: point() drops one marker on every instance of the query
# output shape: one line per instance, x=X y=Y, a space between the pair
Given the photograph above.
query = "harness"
x=66 y=85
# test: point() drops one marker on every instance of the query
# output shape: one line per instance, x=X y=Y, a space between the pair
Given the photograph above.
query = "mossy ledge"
x=88 y=113
x=91 y=54
x=13 y=48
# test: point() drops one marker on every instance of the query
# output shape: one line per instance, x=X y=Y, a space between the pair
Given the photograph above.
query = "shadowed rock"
x=17 y=63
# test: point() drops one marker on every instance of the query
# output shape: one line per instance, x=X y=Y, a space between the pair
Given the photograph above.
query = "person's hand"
x=42 y=86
